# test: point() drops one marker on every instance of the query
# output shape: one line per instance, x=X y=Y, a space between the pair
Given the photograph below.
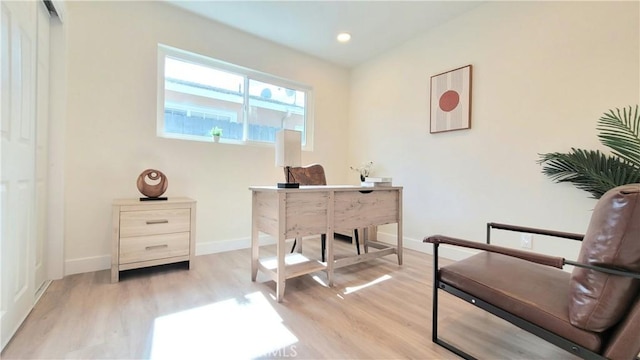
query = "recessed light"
x=343 y=37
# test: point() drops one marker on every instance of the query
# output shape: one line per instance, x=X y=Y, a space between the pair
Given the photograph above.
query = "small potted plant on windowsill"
x=216 y=132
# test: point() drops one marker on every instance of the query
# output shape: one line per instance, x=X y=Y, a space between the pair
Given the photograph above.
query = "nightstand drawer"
x=150 y=222
x=151 y=233
x=143 y=248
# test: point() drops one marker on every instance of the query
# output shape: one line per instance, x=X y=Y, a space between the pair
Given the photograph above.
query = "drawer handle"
x=151 y=222
x=155 y=247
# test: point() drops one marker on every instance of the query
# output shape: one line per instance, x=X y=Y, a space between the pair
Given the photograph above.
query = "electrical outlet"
x=526 y=241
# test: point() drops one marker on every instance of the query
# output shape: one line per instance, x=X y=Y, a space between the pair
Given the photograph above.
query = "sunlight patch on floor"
x=230 y=329
x=289 y=259
x=319 y=280
x=352 y=289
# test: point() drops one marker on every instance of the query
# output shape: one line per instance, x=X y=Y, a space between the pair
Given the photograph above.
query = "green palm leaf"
x=594 y=171
x=589 y=170
x=621 y=133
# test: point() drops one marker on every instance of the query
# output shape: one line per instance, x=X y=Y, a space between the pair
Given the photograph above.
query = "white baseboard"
x=88 y=264
x=41 y=290
x=97 y=263
x=213 y=247
x=448 y=252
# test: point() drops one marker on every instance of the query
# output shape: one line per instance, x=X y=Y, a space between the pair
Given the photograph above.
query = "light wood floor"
x=377 y=310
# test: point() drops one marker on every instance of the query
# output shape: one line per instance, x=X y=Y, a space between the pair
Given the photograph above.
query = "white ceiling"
x=311 y=26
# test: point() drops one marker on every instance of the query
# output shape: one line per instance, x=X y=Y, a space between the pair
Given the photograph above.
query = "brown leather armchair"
x=593 y=312
x=314 y=175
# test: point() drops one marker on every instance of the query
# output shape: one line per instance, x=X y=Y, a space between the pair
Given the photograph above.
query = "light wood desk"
x=313 y=210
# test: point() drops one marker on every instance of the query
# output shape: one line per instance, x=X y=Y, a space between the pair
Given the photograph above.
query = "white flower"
x=364 y=170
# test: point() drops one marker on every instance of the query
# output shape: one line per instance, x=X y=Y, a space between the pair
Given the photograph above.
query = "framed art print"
x=451 y=100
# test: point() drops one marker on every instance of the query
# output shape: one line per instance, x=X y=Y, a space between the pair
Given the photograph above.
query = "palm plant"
x=594 y=171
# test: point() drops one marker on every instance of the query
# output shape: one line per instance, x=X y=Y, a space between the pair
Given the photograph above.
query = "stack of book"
x=376 y=181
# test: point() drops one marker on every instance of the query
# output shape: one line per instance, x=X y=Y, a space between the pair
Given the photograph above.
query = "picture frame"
x=450 y=93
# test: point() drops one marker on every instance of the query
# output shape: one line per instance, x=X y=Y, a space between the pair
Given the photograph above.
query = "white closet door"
x=17 y=174
x=42 y=145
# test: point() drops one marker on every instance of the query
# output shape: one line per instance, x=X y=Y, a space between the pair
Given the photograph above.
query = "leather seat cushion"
x=531 y=291
x=599 y=300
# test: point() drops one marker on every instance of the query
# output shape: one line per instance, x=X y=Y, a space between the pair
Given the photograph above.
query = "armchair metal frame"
x=550 y=337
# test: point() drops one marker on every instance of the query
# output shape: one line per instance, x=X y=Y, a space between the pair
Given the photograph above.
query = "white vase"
x=216 y=138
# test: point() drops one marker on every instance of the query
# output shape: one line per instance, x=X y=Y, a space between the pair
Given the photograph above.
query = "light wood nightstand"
x=149 y=233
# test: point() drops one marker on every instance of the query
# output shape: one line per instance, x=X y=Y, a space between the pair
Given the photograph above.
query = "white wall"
x=111 y=124
x=543 y=73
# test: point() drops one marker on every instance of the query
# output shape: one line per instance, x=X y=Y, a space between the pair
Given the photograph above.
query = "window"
x=197 y=93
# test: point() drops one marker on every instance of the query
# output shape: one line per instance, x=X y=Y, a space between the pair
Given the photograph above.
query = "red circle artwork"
x=449 y=100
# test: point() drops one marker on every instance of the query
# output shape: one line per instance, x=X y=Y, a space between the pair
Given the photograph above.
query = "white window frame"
x=165 y=50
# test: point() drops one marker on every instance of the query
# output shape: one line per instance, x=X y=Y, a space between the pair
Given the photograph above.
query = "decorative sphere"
x=151 y=190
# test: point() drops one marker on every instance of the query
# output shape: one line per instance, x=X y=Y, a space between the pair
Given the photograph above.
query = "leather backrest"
x=599 y=300
x=308 y=175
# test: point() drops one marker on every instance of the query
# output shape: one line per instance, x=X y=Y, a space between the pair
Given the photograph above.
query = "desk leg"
x=255 y=245
x=280 y=247
x=330 y=236
x=399 y=248
x=254 y=257
x=281 y=271
x=330 y=263
x=365 y=238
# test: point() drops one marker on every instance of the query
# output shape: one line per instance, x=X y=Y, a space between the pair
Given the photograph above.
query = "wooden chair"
x=593 y=312
x=314 y=175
